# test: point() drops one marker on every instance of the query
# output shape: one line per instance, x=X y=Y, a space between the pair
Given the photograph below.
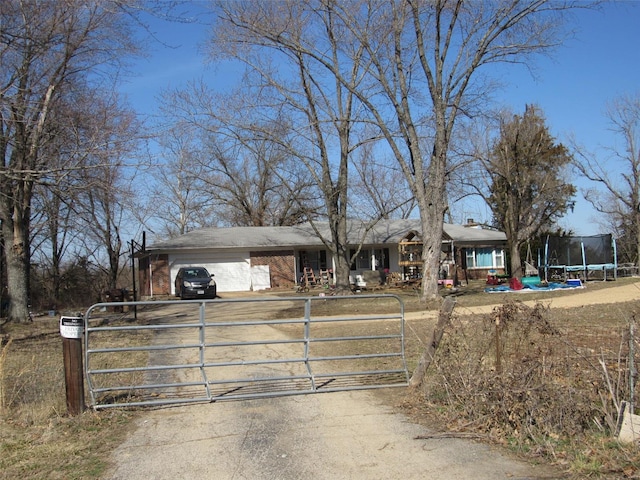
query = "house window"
x=381 y=259
x=315 y=259
x=485 y=258
x=363 y=260
x=367 y=259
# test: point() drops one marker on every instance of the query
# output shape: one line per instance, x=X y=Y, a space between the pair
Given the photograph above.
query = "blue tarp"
x=531 y=288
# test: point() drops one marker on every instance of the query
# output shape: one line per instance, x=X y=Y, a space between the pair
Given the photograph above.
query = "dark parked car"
x=195 y=282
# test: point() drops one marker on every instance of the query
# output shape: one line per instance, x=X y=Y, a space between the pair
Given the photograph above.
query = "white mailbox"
x=71 y=327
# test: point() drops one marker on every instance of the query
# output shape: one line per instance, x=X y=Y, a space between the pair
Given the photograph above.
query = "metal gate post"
x=307 y=341
x=202 y=350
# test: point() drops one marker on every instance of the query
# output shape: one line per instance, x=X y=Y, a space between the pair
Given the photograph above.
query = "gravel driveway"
x=347 y=435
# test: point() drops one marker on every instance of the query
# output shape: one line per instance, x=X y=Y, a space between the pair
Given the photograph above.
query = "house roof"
x=383 y=232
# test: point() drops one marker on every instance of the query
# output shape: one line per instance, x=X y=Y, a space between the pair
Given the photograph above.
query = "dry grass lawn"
x=38 y=439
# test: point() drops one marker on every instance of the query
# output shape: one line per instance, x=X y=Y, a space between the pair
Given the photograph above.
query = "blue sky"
x=600 y=62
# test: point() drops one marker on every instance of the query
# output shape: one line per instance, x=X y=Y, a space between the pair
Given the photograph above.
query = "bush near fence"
x=546 y=382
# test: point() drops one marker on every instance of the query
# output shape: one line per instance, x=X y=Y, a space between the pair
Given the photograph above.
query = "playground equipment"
x=579 y=257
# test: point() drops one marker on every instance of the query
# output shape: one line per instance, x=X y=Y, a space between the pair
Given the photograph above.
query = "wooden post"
x=632 y=365
x=71 y=329
x=498 y=347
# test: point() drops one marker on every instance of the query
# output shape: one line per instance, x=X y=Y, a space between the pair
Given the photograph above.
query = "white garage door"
x=232 y=271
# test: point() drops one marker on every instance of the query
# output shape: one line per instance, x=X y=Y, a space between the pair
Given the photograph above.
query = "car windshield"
x=196 y=273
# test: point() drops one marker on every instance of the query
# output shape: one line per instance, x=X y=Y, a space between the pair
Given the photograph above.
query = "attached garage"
x=231 y=270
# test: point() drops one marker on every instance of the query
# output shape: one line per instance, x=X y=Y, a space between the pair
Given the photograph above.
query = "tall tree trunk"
x=432 y=202
x=339 y=246
x=17 y=256
x=637 y=229
x=432 y=227
x=342 y=284
x=516 y=261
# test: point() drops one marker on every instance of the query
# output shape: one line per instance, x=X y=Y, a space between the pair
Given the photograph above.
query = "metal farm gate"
x=171 y=352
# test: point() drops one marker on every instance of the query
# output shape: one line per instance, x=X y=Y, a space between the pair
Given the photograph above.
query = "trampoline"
x=579 y=257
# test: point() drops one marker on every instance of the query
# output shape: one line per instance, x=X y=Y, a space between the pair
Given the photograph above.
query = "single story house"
x=255 y=258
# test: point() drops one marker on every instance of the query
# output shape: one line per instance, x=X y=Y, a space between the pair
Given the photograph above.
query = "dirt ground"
x=587 y=296
x=354 y=435
x=574 y=298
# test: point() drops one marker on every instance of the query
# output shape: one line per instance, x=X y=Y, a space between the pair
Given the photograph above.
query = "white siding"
x=231 y=270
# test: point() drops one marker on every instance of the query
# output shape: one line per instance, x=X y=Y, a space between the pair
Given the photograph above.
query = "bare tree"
x=432 y=68
x=304 y=65
x=297 y=116
x=528 y=189
x=416 y=66
x=179 y=199
x=47 y=51
x=240 y=176
x=103 y=214
x=378 y=188
x=52 y=233
x=106 y=197
x=618 y=176
x=256 y=183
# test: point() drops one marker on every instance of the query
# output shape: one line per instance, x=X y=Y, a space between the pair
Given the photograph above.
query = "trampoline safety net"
x=598 y=249
x=588 y=253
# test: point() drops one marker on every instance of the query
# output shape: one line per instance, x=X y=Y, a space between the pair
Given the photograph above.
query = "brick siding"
x=281 y=266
